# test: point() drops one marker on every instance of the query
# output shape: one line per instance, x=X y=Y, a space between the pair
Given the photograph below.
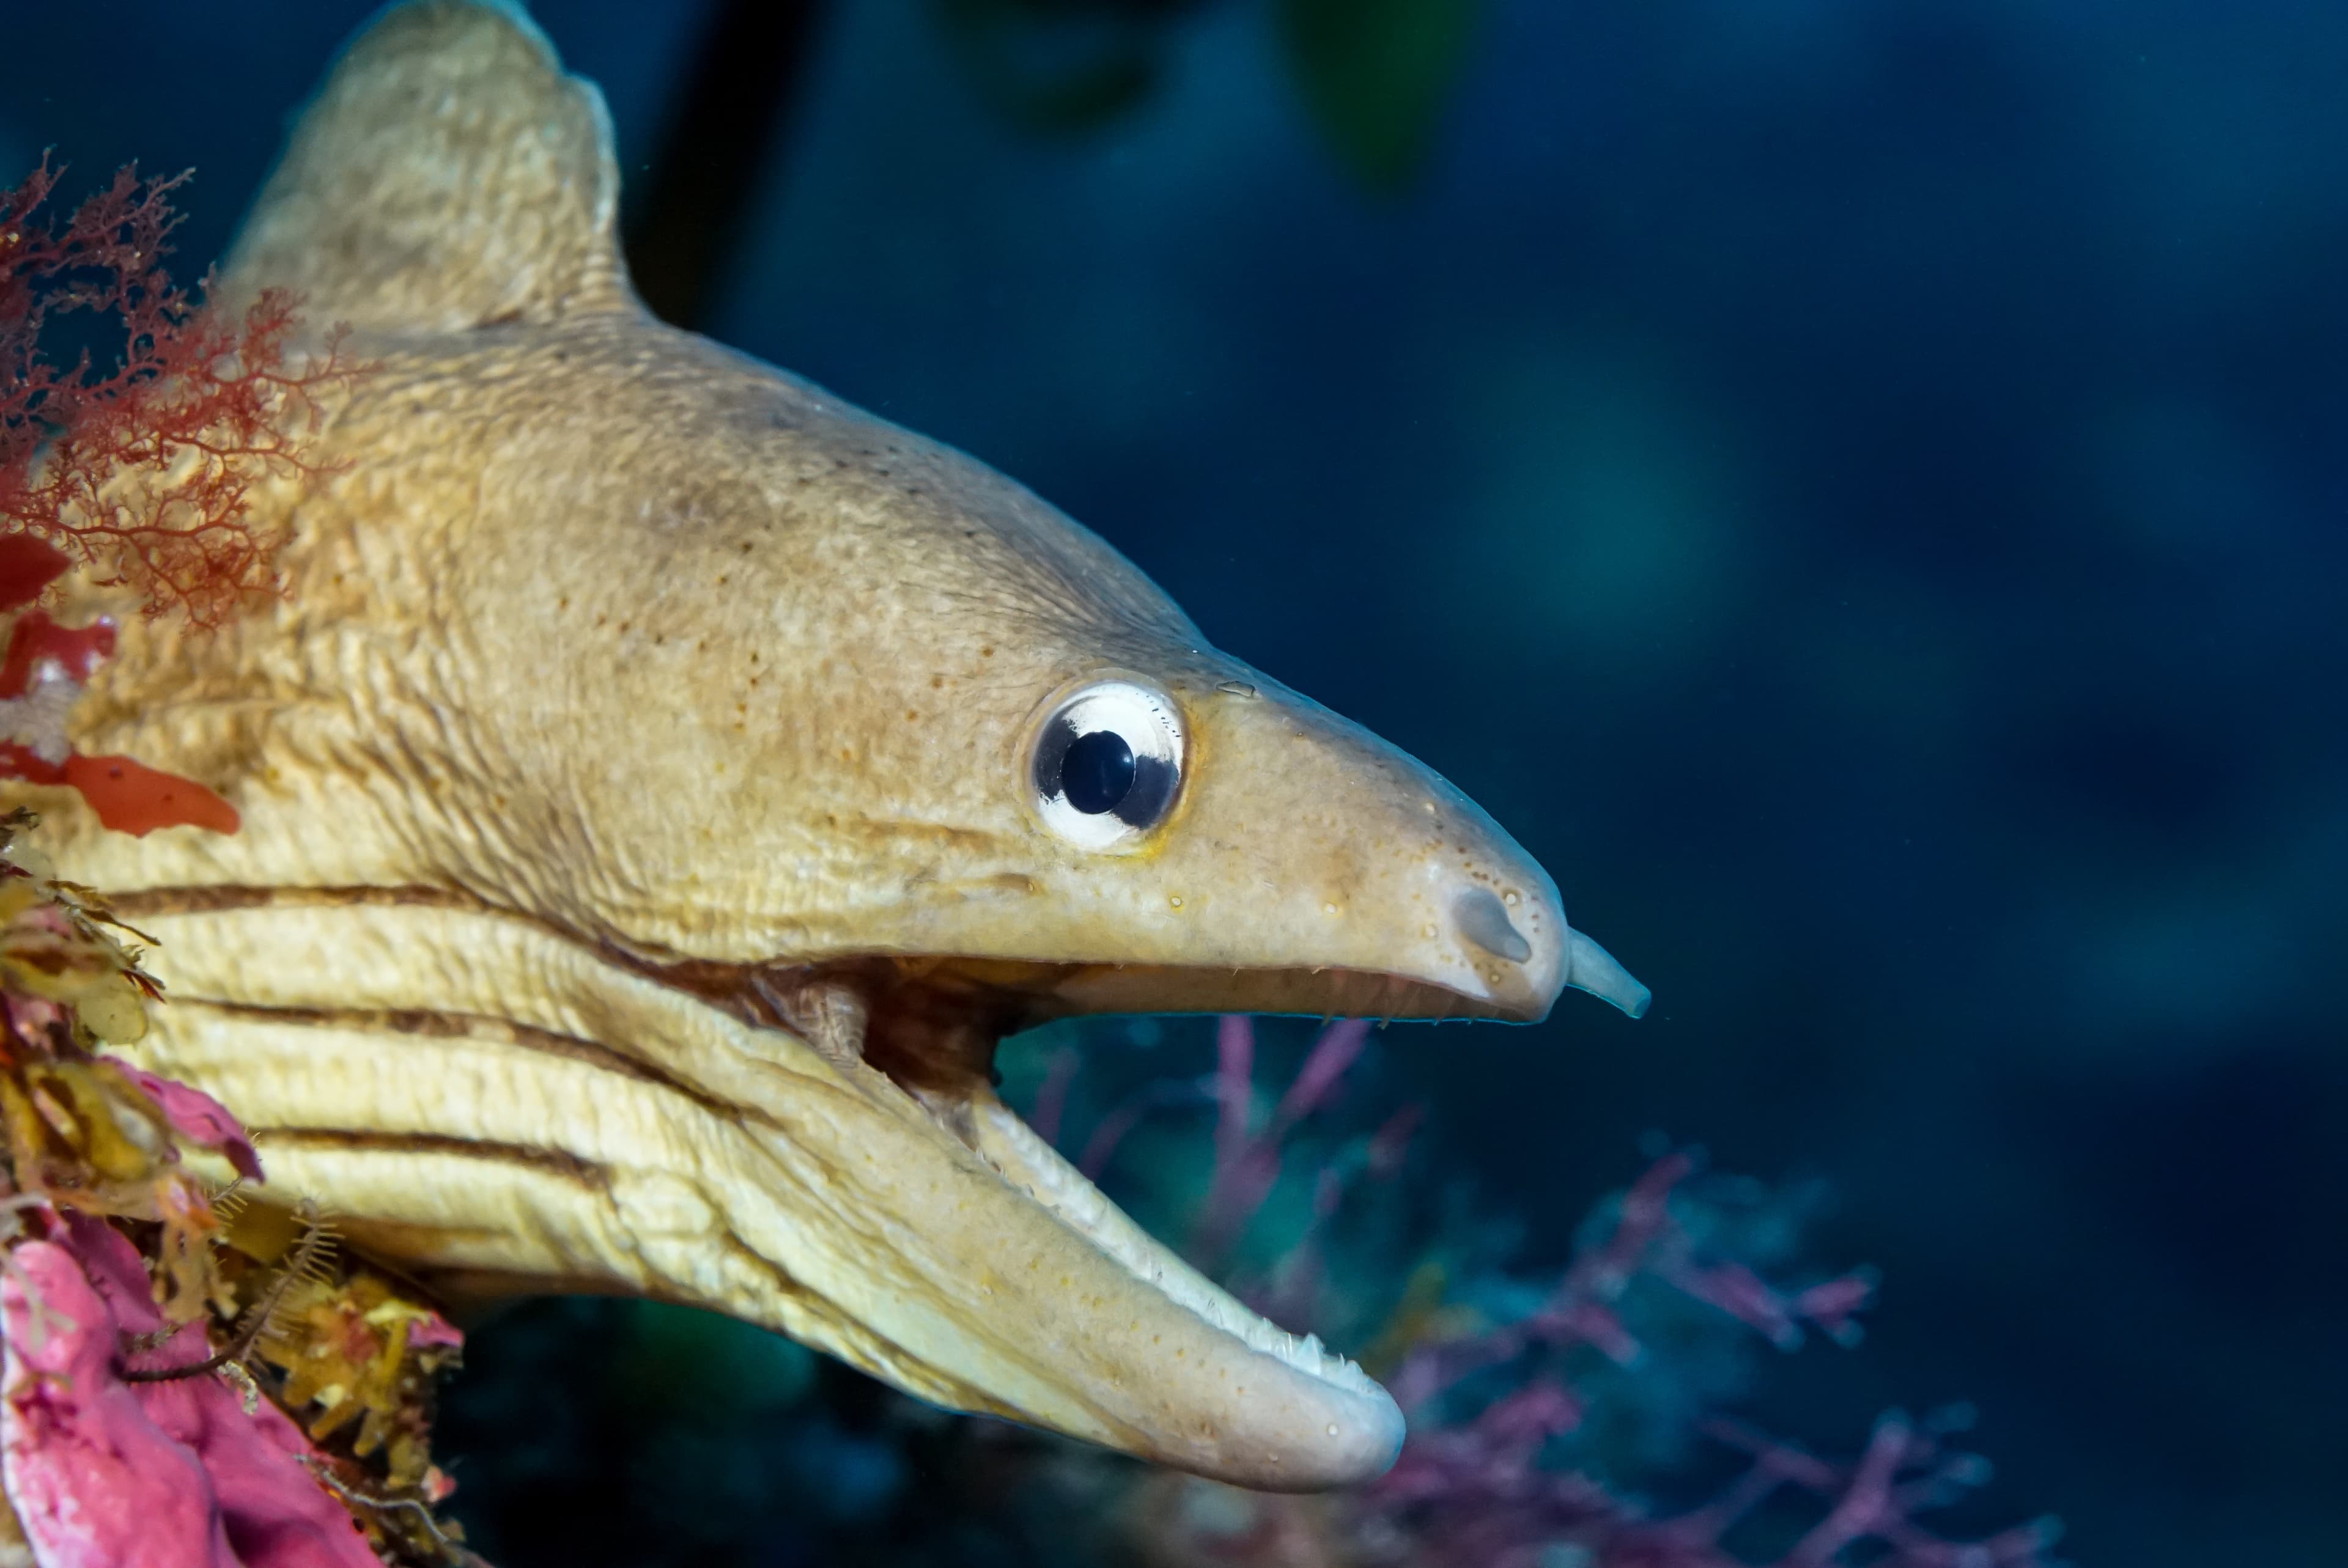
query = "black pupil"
x=1098 y=773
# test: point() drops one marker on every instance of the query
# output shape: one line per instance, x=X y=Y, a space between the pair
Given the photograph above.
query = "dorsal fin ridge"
x=448 y=175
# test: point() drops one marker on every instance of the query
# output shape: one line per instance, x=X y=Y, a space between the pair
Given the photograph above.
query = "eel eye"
x=1109 y=762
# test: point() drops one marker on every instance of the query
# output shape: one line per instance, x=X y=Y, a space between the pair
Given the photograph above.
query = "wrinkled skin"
x=641 y=851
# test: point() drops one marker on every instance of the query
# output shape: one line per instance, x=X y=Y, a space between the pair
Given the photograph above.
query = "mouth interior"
x=930 y=1030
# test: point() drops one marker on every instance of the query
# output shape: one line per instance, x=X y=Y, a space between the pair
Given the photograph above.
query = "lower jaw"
x=933 y=1034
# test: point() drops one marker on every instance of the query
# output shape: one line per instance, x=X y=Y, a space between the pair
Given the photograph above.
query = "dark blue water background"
x=1858 y=490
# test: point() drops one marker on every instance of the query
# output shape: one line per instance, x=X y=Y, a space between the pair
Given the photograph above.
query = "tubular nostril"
x=1484 y=921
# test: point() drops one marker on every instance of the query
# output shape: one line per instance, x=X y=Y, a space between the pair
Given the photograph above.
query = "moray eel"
x=663 y=784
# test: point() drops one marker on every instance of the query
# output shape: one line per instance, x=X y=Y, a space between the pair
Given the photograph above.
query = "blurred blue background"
x=1857 y=489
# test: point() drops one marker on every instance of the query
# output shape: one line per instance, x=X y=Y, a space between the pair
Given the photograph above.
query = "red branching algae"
x=198 y=411
x=144 y=472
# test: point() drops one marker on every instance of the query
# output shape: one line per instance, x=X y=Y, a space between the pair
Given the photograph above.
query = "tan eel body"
x=663 y=784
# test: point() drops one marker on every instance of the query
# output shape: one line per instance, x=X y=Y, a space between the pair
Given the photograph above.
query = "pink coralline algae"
x=142 y=1309
x=106 y=1473
x=195 y=1116
x=142 y=472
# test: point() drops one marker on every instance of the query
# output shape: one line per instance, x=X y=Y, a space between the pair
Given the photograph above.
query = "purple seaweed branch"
x=1479 y=1482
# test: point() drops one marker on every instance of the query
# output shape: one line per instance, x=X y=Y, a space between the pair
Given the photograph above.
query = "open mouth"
x=922 y=1031
x=929 y=1029
x=503 y=1106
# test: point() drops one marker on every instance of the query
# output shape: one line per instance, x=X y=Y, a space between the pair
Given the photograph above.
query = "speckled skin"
x=605 y=650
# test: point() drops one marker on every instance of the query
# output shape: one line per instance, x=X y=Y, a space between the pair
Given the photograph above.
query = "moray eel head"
x=663 y=784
